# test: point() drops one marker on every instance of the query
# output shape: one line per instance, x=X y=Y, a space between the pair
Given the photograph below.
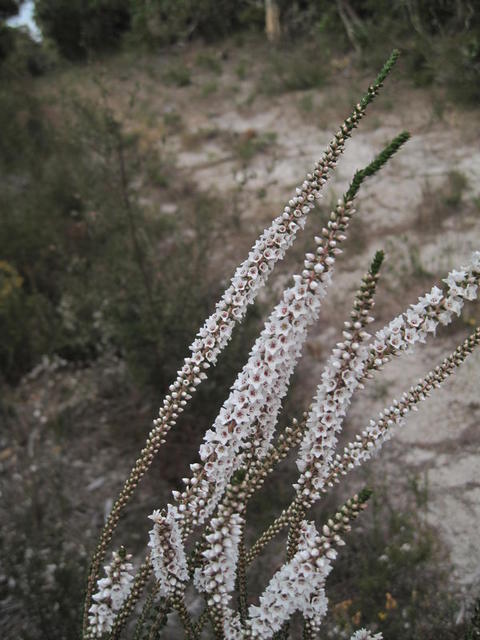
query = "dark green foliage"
x=43 y=556
x=178 y=74
x=473 y=631
x=167 y=21
x=385 y=70
x=8 y=8
x=299 y=69
x=365 y=495
x=209 y=62
x=80 y=27
x=455 y=187
x=440 y=40
x=377 y=262
x=88 y=268
x=376 y=164
x=6 y=41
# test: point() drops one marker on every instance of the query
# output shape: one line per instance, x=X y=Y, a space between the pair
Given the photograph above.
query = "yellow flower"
x=343 y=606
x=10 y=280
x=357 y=617
x=390 y=602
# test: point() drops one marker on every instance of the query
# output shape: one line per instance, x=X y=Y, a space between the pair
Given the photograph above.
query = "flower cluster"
x=259 y=468
x=422 y=318
x=340 y=379
x=251 y=276
x=299 y=584
x=238 y=452
x=351 y=361
x=217 y=575
x=365 y=634
x=380 y=430
x=256 y=395
x=247 y=281
x=113 y=591
x=167 y=552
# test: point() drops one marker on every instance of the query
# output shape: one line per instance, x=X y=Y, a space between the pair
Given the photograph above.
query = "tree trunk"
x=272 y=20
x=345 y=12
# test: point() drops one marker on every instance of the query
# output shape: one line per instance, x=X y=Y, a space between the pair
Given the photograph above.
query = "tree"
x=272 y=20
x=8 y=9
x=79 y=27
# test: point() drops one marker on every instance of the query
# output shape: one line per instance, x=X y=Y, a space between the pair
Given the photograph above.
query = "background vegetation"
x=68 y=166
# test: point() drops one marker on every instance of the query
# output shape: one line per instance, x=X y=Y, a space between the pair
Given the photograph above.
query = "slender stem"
x=184 y=615
x=160 y=621
x=292 y=548
x=138 y=586
x=201 y=622
x=146 y=610
x=242 y=579
x=127 y=205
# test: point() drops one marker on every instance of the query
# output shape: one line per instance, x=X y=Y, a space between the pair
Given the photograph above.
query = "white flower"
x=454 y=305
x=340 y=379
x=396 y=325
x=365 y=634
x=435 y=296
x=167 y=552
x=297 y=586
x=113 y=591
x=470 y=292
x=264 y=382
x=414 y=319
x=216 y=576
x=424 y=316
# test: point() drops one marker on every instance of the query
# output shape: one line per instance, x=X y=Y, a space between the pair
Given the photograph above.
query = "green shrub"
x=79 y=27
x=473 y=631
x=178 y=74
x=167 y=21
x=294 y=70
x=42 y=576
x=209 y=62
x=8 y=8
x=440 y=40
x=6 y=41
x=85 y=266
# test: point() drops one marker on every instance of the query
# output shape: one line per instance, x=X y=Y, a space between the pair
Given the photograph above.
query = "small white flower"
x=167 y=552
x=297 y=586
x=435 y=296
x=114 y=589
x=365 y=634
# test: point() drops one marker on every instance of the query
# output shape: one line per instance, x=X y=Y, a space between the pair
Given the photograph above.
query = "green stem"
x=146 y=610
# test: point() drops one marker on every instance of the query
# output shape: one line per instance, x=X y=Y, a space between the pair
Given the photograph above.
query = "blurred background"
x=144 y=145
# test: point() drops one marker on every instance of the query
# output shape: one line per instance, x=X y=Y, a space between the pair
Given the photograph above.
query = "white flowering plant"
x=197 y=542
